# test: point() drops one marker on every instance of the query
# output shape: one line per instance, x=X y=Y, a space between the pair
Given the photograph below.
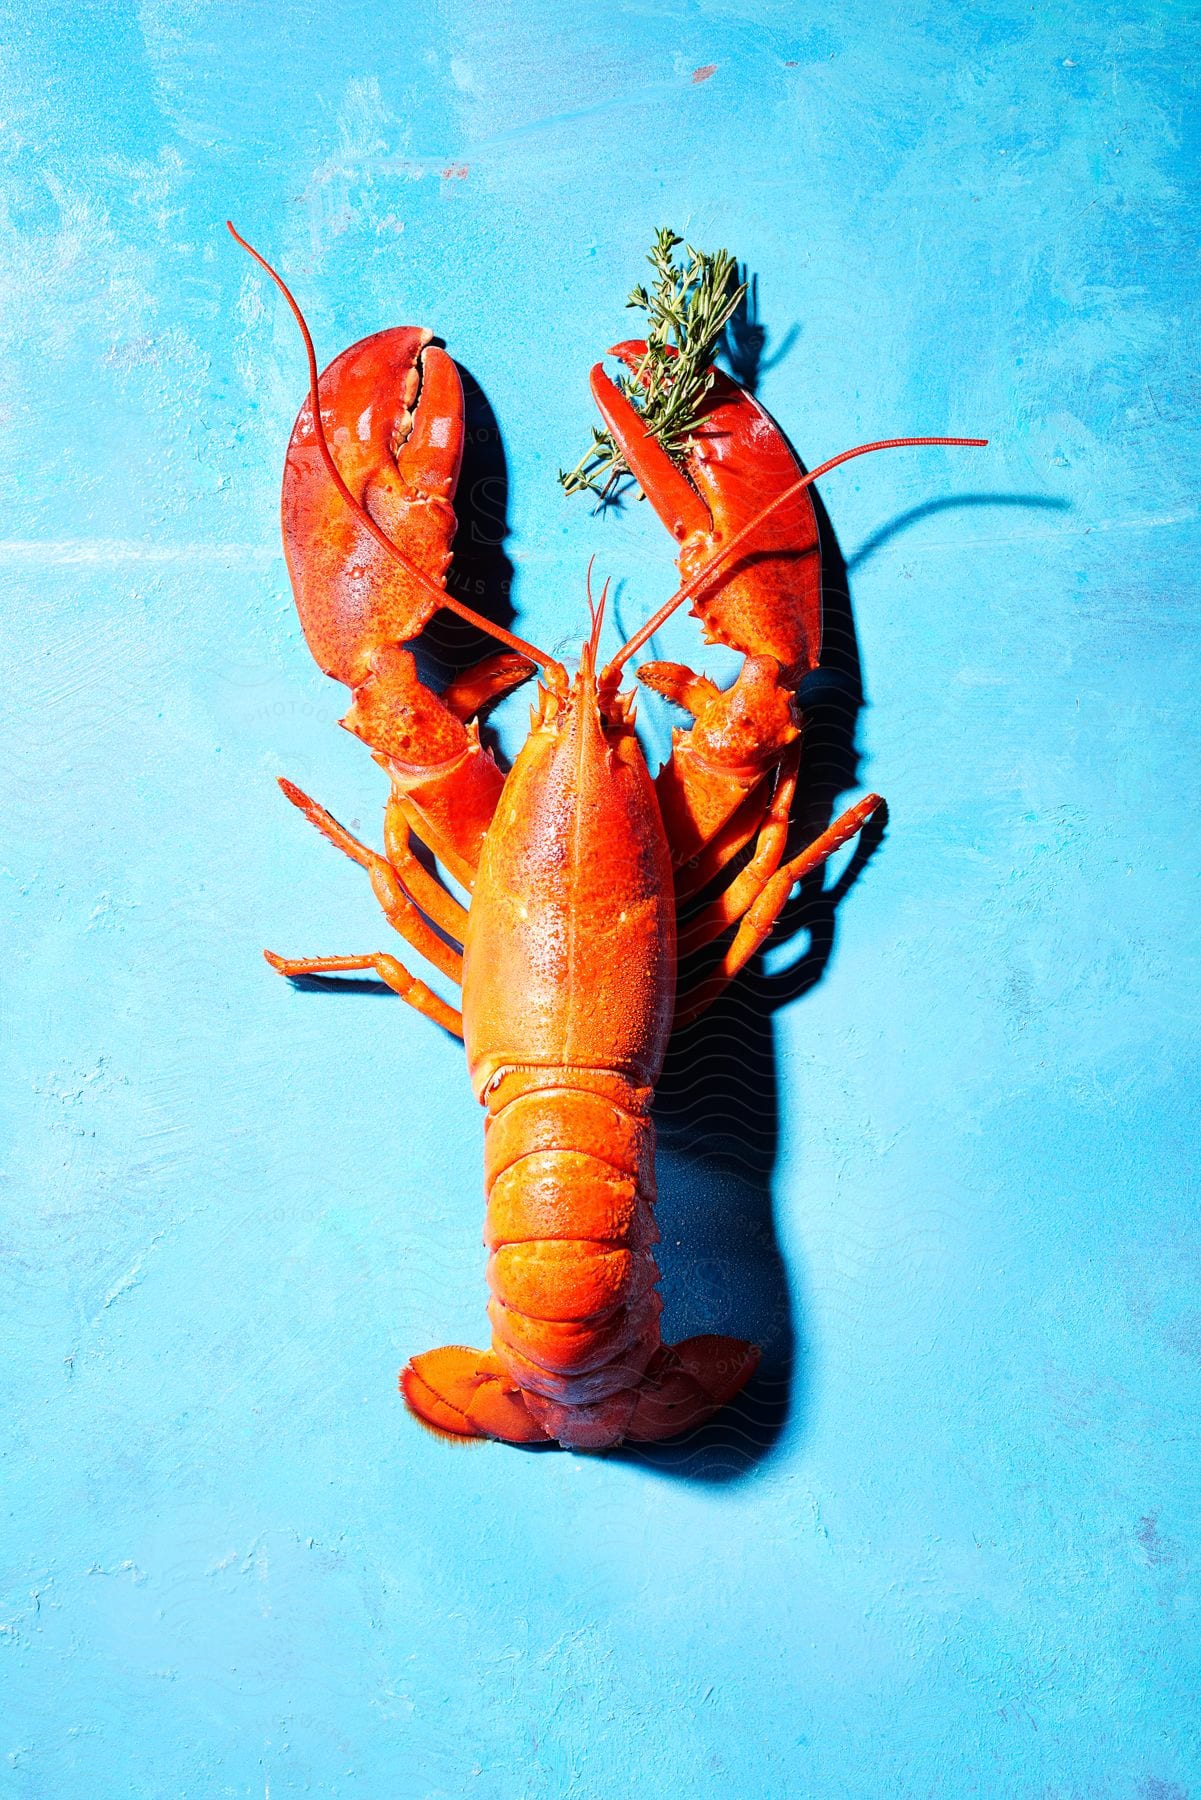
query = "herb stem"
x=687 y=308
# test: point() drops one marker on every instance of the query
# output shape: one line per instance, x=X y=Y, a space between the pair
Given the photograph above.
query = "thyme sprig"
x=687 y=307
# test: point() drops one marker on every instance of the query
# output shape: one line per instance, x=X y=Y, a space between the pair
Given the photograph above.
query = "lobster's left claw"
x=393 y=411
x=769 y=604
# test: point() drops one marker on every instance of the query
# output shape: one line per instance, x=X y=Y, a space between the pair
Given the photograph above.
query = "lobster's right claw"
x=393 y=411
x=392 y=408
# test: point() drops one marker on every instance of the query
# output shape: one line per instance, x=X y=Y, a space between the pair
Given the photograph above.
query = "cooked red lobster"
x=576 y=860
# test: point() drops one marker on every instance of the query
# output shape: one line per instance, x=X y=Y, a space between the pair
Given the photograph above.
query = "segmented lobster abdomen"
x=569 y=1175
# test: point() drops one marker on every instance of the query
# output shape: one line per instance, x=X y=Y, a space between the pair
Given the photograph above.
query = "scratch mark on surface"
x=128 y=1567
x=131 y=1279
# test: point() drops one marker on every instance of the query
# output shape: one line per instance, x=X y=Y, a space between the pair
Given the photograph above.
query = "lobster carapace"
x=576 y=861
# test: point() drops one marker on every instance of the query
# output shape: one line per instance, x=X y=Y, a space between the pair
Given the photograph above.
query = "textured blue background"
x=968 y=1561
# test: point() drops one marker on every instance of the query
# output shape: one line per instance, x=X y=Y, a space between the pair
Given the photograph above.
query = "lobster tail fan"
x=686 y=1384
x=463 y=1393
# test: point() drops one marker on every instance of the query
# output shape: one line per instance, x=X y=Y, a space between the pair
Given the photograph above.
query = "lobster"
x=576 y=862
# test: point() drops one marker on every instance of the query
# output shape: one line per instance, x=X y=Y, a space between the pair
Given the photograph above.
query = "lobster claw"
x=770 y=604
x=392 y=406
x=392 y=414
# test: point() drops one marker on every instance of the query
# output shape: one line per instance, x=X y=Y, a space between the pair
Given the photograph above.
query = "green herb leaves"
x=687 y=307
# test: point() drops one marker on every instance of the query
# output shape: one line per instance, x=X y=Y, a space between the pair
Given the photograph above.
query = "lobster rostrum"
x=575 y=860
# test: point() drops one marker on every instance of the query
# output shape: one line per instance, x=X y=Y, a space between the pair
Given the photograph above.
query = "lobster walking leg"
x=448 y=797
x=398 y=908
x=765 y=909
x=464 y=699
x=698 y=871
x=732 y=902
x=389 y=970
x=737 y=739
x=435 y=901
x=422 y=808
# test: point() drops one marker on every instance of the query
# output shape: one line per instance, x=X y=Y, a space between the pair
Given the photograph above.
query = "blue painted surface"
x=964 y=1559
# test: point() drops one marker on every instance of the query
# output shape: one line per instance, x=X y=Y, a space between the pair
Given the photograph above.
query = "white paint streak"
x=130 y=1279
x=60 y=551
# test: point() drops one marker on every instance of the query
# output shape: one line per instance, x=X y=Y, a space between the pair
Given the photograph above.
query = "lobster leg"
x=418 y=883
x=389 y=970
x=732 y=903
x=398 y=908
x=450 y=806
x=737 y=739
x=764 y=910
x=721 y=849
x=425 y=889
x=449 y=796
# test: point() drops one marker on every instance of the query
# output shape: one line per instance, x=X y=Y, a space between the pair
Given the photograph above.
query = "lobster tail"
x=576 y=1352
x=569 y=1170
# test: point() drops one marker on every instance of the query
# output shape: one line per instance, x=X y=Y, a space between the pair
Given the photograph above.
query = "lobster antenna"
x=704 y=577
x=600 y=617
x=596 y=611
x=381 y=537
